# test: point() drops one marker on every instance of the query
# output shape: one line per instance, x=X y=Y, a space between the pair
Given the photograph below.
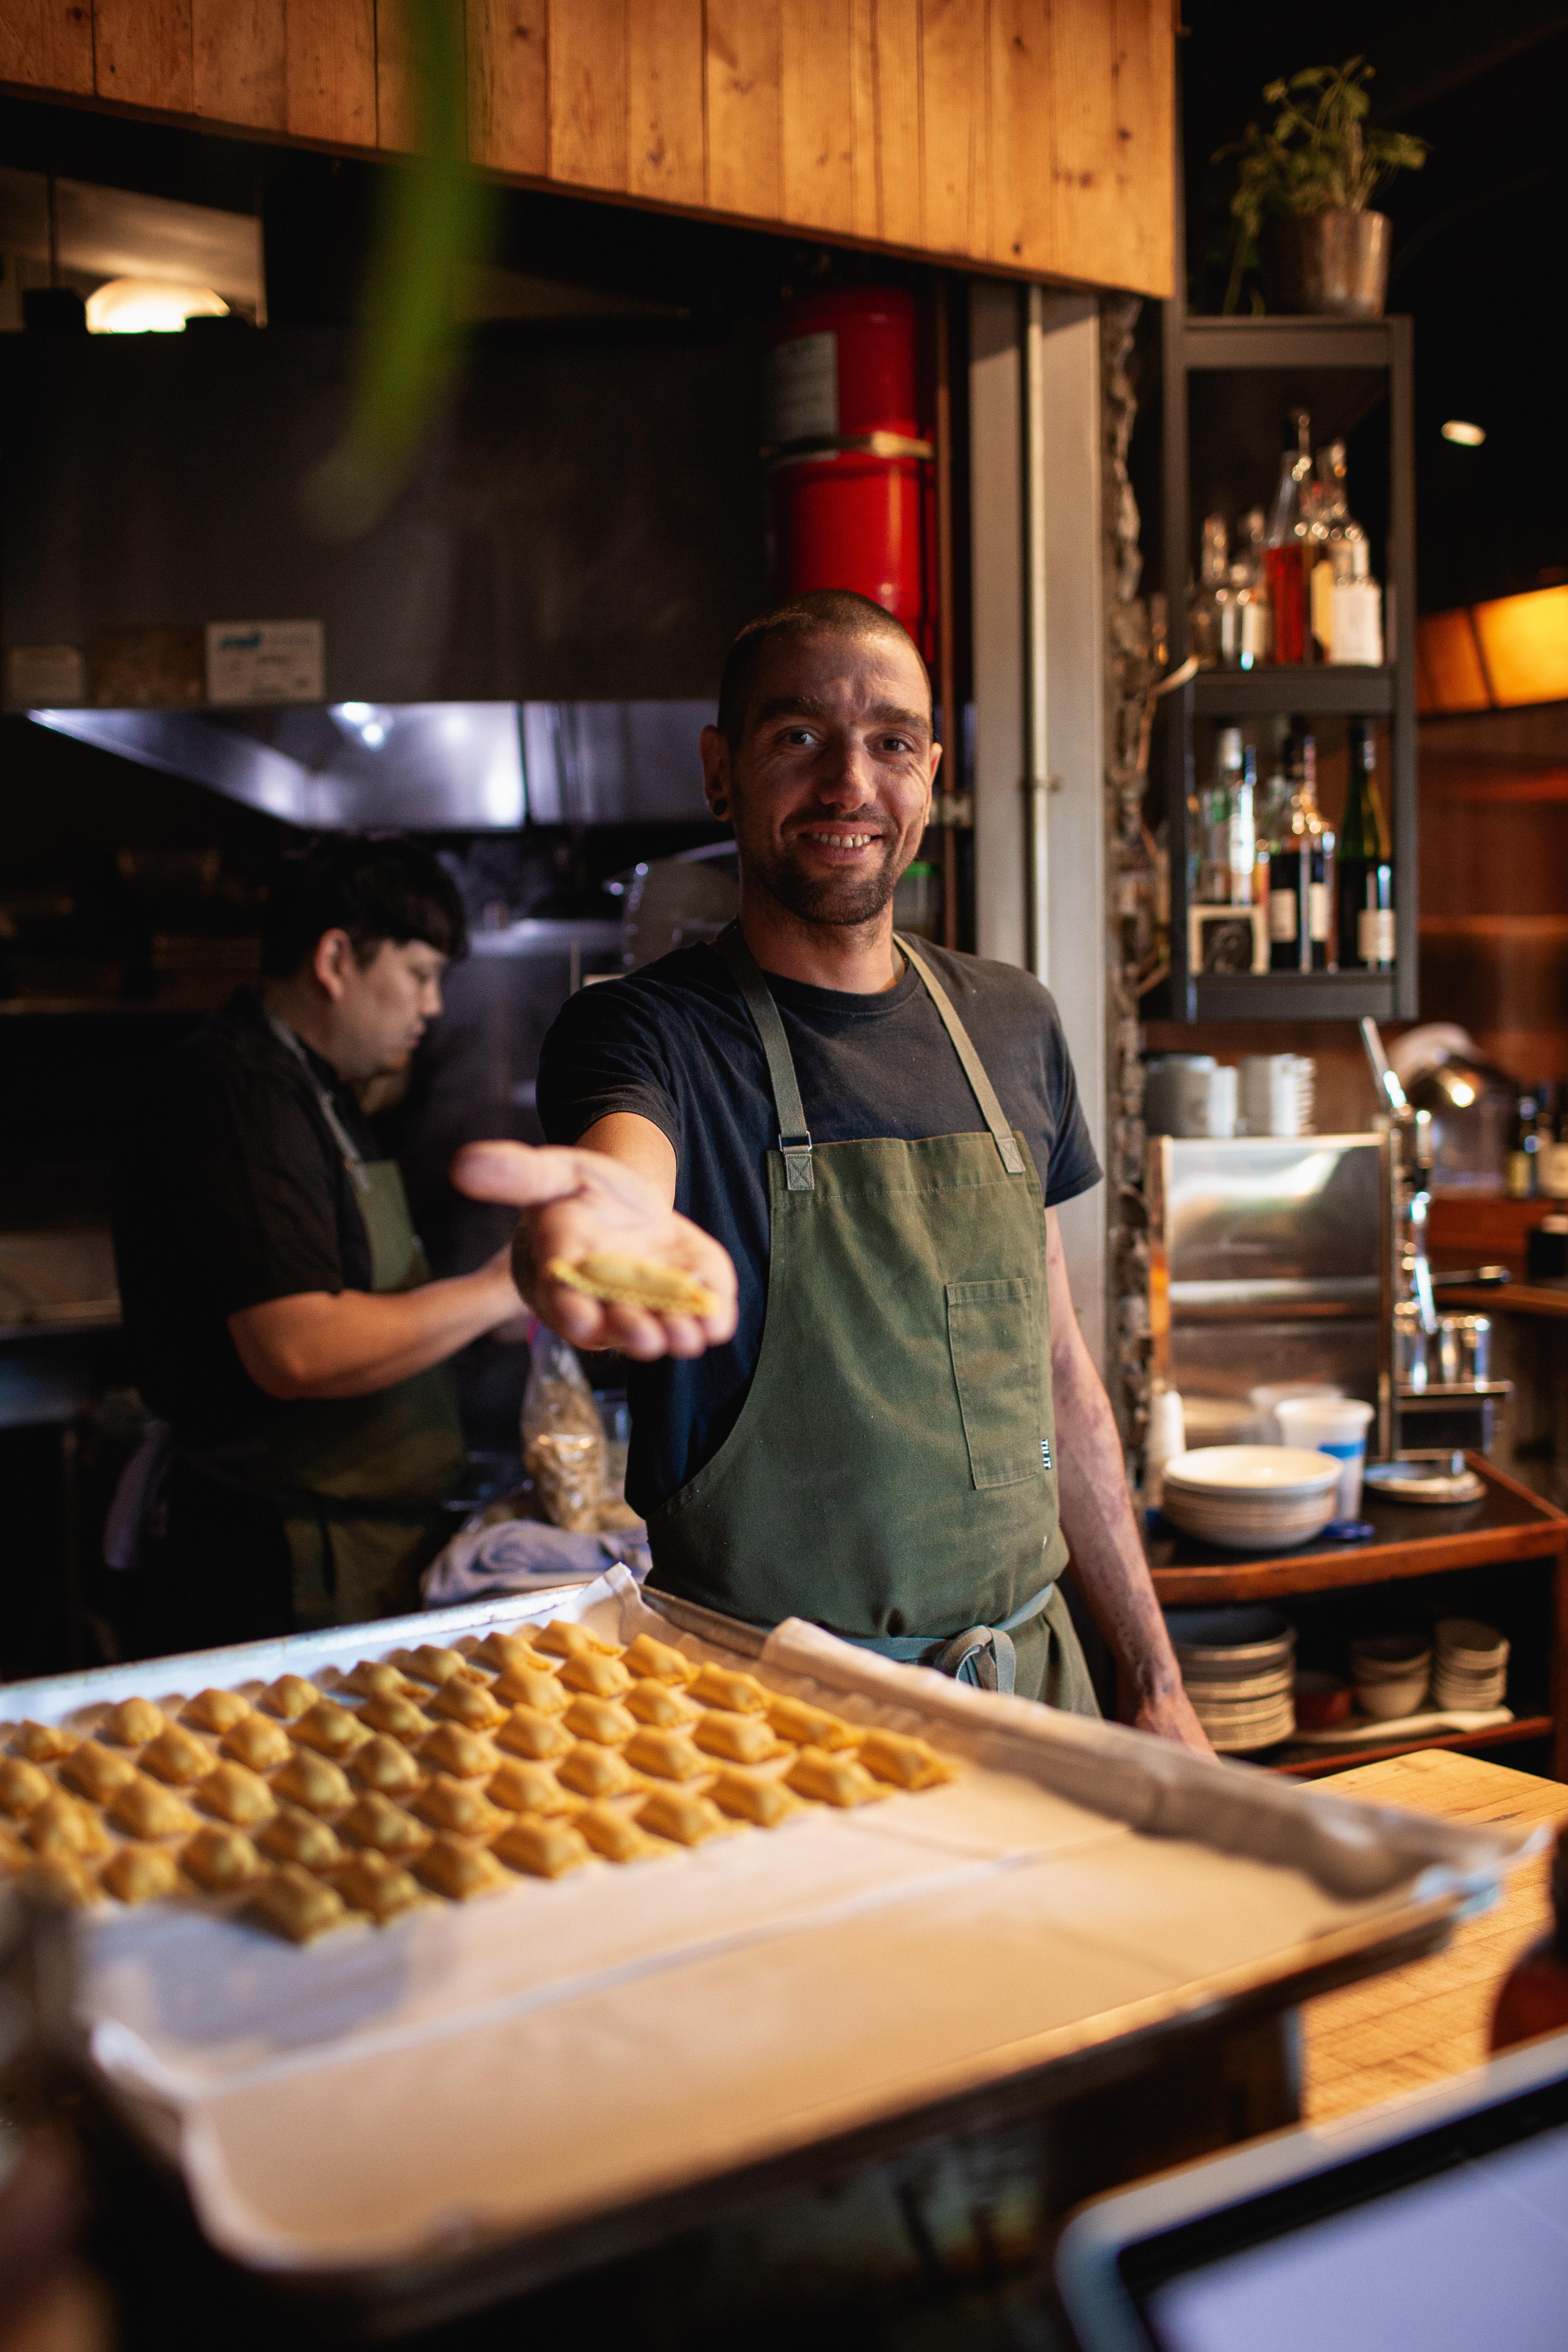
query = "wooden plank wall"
x=1029 y=136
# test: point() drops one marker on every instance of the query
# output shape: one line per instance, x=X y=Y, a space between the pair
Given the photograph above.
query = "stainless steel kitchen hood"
x=431 y=767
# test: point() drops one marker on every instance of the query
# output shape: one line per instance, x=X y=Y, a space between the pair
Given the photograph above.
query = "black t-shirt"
x=675 y=1043
x=230 y=1190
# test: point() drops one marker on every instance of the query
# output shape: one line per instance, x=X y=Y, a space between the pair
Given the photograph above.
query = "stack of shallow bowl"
x=1251 y=1498
x=1470 y=1670
x=1239 y=1666
x=1390 y=1673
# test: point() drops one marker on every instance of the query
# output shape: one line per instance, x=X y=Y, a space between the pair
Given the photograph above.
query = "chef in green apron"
x=889 y=1422
x=281 y=1318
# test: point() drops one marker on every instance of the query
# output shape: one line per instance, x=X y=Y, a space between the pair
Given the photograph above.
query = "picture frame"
x=1227 y=941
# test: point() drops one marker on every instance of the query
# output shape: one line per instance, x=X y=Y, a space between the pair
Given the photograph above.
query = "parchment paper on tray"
x=355 y=2102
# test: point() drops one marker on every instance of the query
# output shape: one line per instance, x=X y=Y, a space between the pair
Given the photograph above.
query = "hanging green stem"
x=434 y=218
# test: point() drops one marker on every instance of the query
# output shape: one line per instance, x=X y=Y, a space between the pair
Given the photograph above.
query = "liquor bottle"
x=1302 y=870
x=1289 y=526
x=1330 y=519
x=1367 y=942
x=1216 y=816
x=1519 y=1171
x=1356 y=600
x=1204 y=601
x=1554 y=1160
x=1244 y=830
x=1534 y=1998
x=1273 y=822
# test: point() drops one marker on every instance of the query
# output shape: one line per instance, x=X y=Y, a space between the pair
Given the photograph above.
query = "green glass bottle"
x=1367 y=928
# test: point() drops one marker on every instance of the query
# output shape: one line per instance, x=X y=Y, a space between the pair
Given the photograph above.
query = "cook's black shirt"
x=675 y=1043
x=230 y=1190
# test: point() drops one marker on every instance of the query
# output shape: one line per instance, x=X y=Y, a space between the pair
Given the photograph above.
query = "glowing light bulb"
x=148 y=306
x=1469 y=436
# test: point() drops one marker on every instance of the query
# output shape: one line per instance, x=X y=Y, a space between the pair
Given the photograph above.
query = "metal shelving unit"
x=1356 y=366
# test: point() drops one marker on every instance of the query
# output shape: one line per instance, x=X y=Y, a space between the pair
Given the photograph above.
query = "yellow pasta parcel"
x=906 y=1762
x=593 y=1771
x=140 y=1874
x=374 y=1884
x=376 y=1822
x=237 y=1795
x=680 y=1815
x=658 y=1661
x=386 y=1765
x=543 y=1849
x=293 y=1904
x=216 y=1710
x=722 y=1686
x=44 y=1743
x=832 y=1780
x=134 y=1722
x=301 y=1838
x=313 y=1782
x=521 y=1788
x=257 y=1742
x=177 y=1755
x=148 y=1809
x=749 y=1797
x=668 y=1754
x=220 y=1860
x=460 y=1872
x=289 y=1697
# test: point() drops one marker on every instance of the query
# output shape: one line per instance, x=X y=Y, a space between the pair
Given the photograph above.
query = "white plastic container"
x=1336 y=1425
x=1167 y=1437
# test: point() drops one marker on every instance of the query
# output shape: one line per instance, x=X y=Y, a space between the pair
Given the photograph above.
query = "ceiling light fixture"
x=150 y=306
x=1469 y=436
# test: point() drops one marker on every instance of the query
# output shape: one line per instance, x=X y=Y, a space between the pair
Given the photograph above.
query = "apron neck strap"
x=353 y=1157
x=795 y=1139
x=984 y=1093
x=794 y=1136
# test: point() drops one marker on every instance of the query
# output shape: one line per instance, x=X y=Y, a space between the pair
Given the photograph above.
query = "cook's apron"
x=358 y=1481
x=892 y=1473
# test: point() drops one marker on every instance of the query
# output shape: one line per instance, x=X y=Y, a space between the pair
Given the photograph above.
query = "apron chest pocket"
x=996 y=1364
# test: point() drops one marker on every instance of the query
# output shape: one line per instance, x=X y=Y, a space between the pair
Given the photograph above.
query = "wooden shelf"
x=1315 y=1764
x=1294 y=996
x=1231 y=381
x=1308 y=688
x=1280 y=342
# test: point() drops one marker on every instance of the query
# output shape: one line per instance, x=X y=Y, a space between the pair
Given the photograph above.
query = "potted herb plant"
x=1303 y=199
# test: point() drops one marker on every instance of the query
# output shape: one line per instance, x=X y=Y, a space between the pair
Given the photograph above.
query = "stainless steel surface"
x=1269 y=1271
x=425 y=766
x=1330 y=265
x=1383 y=1077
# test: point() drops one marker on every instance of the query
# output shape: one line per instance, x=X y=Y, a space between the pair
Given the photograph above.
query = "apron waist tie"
x=982 y=1656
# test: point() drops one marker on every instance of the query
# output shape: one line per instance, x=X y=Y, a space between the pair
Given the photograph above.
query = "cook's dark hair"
x=822 y=611
x=376 y=891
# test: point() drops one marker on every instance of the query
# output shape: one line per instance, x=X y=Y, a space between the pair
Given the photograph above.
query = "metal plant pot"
x=1329 y=265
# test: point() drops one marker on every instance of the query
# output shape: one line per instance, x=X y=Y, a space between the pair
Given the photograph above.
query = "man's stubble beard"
x=841 y=900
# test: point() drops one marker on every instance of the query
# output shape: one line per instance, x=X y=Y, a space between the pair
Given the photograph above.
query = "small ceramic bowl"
x=1322 y=1701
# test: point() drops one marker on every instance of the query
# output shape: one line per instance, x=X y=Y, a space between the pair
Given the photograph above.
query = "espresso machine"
x=1444 y=1399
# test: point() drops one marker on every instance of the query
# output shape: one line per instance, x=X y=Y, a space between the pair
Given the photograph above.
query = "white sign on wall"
x=266 y=661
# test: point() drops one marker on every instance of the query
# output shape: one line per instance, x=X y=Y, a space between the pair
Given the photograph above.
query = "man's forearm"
x=355 y=1342
x=1102 y=1535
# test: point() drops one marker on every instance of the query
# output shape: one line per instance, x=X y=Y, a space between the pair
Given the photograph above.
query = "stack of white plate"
x=1470 y=1669
x=1392 y=1673
x=1238 y=1668
x=1251 y=1498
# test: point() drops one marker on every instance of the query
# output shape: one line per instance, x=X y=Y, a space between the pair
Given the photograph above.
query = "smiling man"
x=281 y=1316
x=889 y=1422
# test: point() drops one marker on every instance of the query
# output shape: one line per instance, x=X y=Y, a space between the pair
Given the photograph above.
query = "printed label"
x=1374 y=934
x=800 y=390
x=266 y=661
x=1318 y=909
x=1282 y=918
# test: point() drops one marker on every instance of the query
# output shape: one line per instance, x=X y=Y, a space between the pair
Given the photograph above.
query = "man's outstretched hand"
x=575 y=1203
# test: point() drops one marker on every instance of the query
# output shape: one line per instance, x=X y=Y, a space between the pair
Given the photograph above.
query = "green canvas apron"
x=359 y=1481
x=891 y=1475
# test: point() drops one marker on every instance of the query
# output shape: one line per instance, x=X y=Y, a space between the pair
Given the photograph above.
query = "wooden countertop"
x=1508 y=1298
x=1507 y=1523
x=1421 y=2024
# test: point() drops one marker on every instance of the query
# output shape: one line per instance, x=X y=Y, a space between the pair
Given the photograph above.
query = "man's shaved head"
x=823 y=611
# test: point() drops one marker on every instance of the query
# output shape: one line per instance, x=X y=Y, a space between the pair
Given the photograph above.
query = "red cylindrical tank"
x=849 y=467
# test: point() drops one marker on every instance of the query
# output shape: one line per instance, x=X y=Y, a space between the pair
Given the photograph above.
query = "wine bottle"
x=1367 y=929
x=1302 y=870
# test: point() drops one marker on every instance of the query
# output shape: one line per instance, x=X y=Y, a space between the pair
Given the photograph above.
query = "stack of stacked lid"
x=1238 y=1668
x=1251 y=1498
x=1470 y=1672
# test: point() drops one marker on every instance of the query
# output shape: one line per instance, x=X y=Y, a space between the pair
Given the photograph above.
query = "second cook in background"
x=886 y=1420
